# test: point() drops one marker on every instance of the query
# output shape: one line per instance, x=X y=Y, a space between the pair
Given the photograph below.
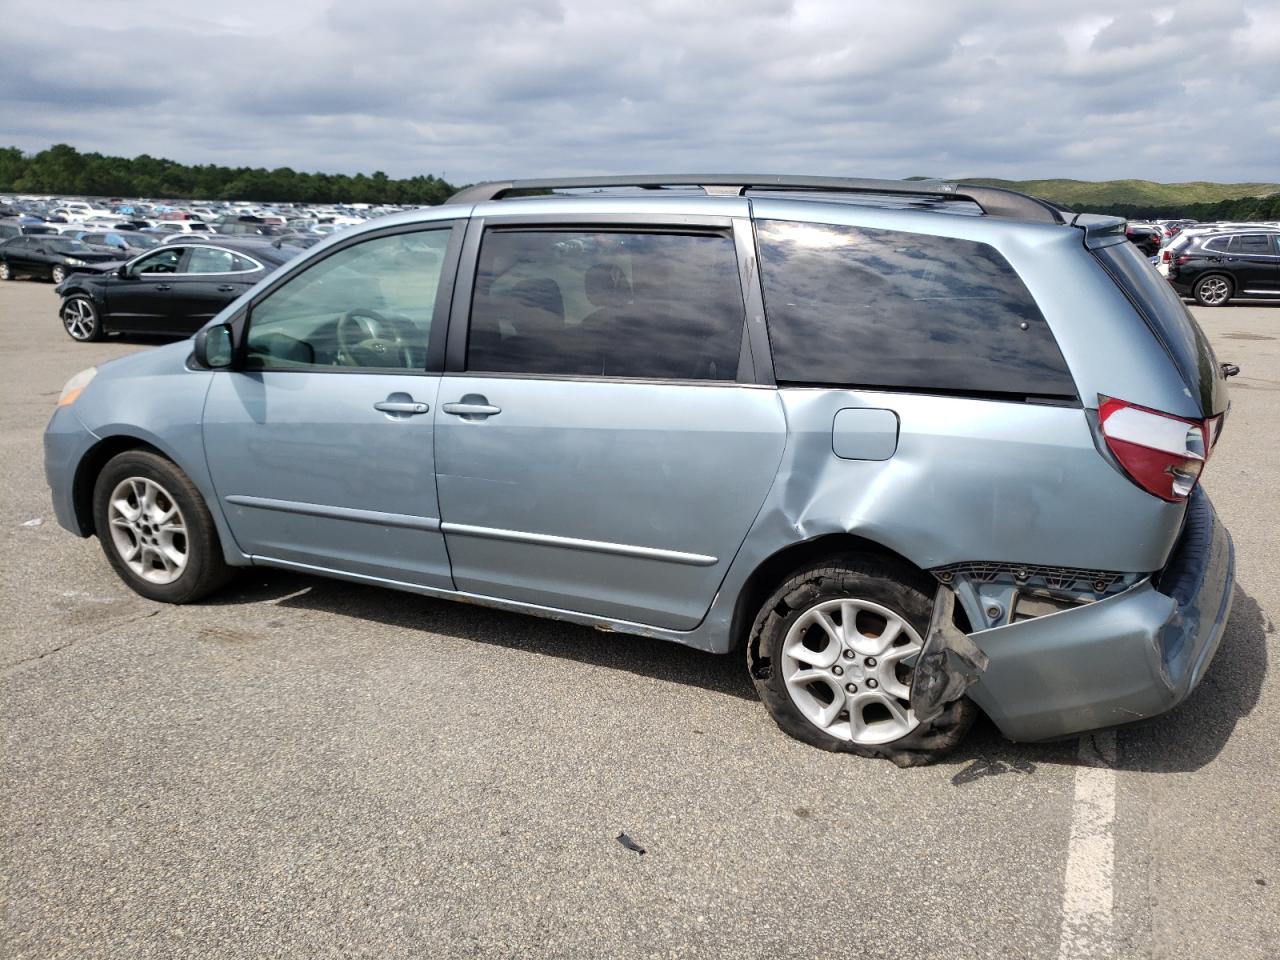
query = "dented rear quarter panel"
x=970 y=480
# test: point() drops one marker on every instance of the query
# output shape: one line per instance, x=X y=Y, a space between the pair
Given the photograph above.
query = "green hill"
x=1078 y=194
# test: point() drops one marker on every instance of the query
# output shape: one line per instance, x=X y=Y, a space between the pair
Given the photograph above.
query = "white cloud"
x=472 y=89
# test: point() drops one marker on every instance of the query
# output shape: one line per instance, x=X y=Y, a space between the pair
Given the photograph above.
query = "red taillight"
x=1182 y=260
x=1166 y=256
x=1161 y=453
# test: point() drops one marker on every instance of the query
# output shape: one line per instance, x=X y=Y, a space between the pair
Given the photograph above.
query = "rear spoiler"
x=1099 y=230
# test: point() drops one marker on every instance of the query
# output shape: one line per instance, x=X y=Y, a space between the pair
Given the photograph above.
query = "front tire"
x=1213 y=290
x=6 y=272
x=58 y=274
x=155 y=529
x=829 y=654
x=80 y=319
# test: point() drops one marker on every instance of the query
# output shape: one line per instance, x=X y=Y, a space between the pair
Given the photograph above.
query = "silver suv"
x=917 y=448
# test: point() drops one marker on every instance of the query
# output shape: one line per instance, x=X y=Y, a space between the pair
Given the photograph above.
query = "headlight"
x=75 y=386
x=73 y=262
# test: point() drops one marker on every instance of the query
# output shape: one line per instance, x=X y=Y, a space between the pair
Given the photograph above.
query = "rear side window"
x=1218 y=243
x=1251 y=243
x=213 y=260
x=855 y=306
x=607 y=304
x=1169 y=320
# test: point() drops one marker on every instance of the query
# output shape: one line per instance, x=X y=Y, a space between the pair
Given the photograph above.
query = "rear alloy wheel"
x=1213 y=290
x=5 y=272
x=58 y=273
x=832 y=655
x=80 y=318
x=843 y=665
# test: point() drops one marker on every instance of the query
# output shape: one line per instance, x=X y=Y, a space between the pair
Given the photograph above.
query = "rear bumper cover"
x=1125 y=658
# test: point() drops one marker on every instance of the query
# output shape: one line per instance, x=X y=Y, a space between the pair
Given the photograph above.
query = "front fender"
x=154 y=398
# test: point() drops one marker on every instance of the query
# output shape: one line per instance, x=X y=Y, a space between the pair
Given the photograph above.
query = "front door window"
x=367 y=306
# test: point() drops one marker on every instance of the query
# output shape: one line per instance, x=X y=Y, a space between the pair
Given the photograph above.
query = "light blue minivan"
x=917 y=448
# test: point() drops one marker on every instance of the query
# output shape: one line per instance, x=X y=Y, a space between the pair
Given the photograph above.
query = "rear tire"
x=1213 y=290
x=58 y=274
x=843 y=686
x=6 y=272
x=155 y=529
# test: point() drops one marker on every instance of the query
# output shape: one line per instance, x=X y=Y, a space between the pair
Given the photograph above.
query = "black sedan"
x=49 y=257
x=174 y=289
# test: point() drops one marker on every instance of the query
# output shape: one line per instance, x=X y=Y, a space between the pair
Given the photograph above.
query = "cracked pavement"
x=304 y=768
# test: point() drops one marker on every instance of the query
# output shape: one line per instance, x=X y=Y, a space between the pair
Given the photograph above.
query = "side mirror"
x=215 y=347
x=122 y=271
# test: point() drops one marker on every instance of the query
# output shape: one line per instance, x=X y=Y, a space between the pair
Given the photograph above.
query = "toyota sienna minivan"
x=913 y=449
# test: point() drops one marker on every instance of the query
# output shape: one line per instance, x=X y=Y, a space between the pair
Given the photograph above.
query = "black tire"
x=6 y=272
x=885 y=582
x=58 y=273
x=1207 y=290
x=80 y=318
x=205 y=569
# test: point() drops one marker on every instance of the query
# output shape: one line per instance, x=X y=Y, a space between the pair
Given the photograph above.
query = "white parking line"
x=1087 y=893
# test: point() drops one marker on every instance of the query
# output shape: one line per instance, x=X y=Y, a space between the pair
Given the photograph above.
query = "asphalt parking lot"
x=310 y=768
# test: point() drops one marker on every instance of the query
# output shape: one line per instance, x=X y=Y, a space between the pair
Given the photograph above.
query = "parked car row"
x=1215 y=263
x=108 y=285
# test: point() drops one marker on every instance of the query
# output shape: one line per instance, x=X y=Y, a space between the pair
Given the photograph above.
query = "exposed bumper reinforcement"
x=1124 y=658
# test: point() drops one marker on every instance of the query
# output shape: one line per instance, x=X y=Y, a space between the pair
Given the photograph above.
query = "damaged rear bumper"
x=1124 y=658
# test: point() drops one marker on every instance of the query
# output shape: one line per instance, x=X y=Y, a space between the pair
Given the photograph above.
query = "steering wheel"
x=366 y=338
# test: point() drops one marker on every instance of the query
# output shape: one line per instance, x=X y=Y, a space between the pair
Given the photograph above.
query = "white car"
x=183 y=226
x=80 y=210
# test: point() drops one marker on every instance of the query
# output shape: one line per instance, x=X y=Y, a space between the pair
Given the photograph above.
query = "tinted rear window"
x=1169 y=320
x=856 y=306
x=1258 y=243
x=607 y=303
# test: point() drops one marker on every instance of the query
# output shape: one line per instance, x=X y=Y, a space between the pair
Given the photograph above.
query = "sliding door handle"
x=472 y=407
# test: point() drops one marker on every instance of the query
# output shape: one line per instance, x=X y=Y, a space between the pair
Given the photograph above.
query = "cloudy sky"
x=474 y=89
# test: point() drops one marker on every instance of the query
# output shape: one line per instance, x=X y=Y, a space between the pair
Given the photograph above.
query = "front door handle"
x=164 y=286
x=226 y=288
x=472 y=407
x=410 y=407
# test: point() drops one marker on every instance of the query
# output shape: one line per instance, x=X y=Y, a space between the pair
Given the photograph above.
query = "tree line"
x=63 y=170
x=1244 y=209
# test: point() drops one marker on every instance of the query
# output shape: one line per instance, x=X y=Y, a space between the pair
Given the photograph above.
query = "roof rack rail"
x=993 y=201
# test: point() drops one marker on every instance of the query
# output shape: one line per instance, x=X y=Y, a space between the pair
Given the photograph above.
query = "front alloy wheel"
x=156 y=530
x=5 y=272
x=58 y=273
x=148 y=530
x=80 y=318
